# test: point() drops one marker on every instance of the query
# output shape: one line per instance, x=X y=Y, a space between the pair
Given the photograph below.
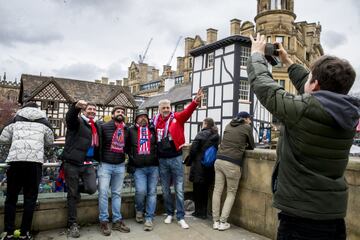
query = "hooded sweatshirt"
x=237 y=137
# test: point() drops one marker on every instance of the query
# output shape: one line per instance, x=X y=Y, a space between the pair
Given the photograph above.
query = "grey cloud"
x=332 y=39
x=99 y=6
x=26 y=23
x=12 y=65
x=356 y=4
x=9 y=37
x=117 y=70
x=82 y=71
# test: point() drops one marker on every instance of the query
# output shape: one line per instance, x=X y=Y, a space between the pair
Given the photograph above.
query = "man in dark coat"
x=202 y=176
x=81 y=142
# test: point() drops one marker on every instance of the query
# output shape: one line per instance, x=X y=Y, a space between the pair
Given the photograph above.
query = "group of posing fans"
x=308 y=182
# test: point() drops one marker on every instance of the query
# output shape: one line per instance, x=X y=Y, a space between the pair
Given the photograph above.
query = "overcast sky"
x=87 y=39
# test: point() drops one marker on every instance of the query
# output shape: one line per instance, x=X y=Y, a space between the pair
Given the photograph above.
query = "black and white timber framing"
x=220 y=69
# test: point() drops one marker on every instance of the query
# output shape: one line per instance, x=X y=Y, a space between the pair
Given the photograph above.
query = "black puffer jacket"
x=78 y=137
x=139 y=161
x=204 y=139
x=106 y=134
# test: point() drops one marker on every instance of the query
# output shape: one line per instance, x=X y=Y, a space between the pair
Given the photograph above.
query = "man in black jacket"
x=111 y=170
x=80 y=145
x=143 y=159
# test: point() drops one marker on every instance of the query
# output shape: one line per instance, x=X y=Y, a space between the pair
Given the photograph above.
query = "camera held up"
x=271 y=53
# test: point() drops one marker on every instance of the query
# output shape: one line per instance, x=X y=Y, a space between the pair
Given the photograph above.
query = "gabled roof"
x=177 y=94
x=73 y=90
x=221 y=43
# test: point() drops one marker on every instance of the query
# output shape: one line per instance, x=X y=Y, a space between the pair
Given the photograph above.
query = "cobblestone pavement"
x=199 y=230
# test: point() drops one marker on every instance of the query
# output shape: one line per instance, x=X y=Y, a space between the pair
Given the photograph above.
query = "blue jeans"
x=110 y=175
x=146 y=179
x=172 y=171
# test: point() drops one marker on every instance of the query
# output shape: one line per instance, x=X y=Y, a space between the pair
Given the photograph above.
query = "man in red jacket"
x=170 y=140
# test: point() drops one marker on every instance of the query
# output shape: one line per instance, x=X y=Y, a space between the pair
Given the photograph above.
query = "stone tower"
x=276 y=20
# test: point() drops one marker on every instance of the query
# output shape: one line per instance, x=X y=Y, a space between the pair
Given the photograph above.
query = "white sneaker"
x=168 y=219
x=223 y=226
x=216 y=225
x=183 y=224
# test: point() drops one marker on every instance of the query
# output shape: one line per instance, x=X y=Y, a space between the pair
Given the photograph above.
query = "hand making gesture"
x=199 y=96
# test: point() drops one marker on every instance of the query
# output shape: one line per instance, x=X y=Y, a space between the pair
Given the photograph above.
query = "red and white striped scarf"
x=118 y=139
x=94 y=134
x=144 y=136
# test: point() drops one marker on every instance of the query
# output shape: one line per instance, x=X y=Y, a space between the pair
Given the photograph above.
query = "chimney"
x=155 y=74
x=211 y=35
x=104 y=80
x=180 y=65
x=125 y=82
x=189 y=42
x=166 y=70
x=235 y=27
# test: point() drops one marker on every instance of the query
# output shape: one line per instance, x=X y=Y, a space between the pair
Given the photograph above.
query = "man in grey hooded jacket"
x=28 y=133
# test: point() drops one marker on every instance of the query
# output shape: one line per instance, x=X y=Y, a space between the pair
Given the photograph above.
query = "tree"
x=7 y=111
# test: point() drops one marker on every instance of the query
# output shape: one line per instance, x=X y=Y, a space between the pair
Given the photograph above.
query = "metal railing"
x=51 y=166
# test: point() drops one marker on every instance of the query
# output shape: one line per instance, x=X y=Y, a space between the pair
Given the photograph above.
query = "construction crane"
x=142 y=57
x=172 y=55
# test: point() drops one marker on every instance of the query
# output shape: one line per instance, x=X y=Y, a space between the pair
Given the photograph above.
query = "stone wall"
x=51 y=213
x=253 y=209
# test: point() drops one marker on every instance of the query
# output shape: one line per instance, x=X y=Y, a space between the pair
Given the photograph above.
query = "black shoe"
x=74 y=231
x=199 y=215
x=195 y=214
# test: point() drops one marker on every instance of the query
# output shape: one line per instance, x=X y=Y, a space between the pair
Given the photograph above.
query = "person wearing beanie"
x=143 y=163
x=237 y=138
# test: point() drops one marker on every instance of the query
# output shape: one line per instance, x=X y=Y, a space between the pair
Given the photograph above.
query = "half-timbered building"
x=220 y=69
x=55 y=94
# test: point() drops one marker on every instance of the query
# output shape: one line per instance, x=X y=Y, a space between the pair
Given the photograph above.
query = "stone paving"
x=199 y=230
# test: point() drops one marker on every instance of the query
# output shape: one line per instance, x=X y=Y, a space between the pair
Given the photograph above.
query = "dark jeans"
x=200 y=195
x=73 y=174
x=25 y=176
x=296 y=228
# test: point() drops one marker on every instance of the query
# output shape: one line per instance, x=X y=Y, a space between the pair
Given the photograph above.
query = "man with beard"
x=170 y=140
x=143 y=162
x=111 y=170
x=80 y=145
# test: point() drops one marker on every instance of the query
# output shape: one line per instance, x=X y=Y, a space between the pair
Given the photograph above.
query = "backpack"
x=209 y=157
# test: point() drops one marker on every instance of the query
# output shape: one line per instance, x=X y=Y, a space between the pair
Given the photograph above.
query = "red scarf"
x=162 y=125
x=144 y=136
x=94 y=135
x=118 y=140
